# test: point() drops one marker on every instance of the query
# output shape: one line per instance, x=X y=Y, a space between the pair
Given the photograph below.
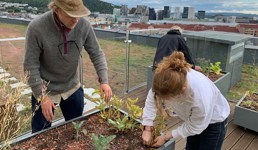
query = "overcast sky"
x=240 y=6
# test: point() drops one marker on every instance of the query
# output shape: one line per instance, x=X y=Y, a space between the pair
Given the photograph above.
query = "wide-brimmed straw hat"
x=73 y=8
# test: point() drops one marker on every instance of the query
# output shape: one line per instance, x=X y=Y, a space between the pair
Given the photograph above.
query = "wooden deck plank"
x=245 y=141
x=180 y=145
x=254 y=144
x=232 y=138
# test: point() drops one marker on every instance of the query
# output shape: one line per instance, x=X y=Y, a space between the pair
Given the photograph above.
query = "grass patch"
x=247 y=82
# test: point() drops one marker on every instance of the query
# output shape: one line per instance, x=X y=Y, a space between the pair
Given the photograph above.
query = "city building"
x=124 y=10
x=231 y=19
x=166 y=12
x=177 y=14
x=201 y=14
x=160 y=15
x=188 y=13
x=191 y=13
x=185 y=13
x=152 y=14
x=142 y=10
x=116 y=12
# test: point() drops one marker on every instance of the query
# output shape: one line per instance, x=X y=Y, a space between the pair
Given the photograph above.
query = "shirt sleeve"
x=149 y=110
x=97 y=56
x=185 y=49
x=31 y=62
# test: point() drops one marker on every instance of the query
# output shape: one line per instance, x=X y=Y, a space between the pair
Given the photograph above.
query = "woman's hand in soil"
x=47 y=107
x=159 y=141
x=147 y=137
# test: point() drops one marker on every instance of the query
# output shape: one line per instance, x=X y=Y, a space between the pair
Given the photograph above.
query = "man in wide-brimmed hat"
x=54 y=42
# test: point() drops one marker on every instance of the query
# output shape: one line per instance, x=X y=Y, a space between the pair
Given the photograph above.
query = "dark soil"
x=213 y=76
x=254 y=102
x=63 y=137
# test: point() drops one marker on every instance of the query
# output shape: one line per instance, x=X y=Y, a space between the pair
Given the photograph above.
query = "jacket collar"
x=174 y=32
x=59 y=24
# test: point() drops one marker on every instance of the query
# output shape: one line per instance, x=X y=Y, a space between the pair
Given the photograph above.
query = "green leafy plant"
x=215 y=67
x=247 y=103
x=207 y=66
x=77 y=127
x=252 y=87
x=101 y=142
x=134 y=111
x=160 y=124
x=122 y=124
x=113 y=115
x=204 y=64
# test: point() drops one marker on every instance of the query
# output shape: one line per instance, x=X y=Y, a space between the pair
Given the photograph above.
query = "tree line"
x=93 y=5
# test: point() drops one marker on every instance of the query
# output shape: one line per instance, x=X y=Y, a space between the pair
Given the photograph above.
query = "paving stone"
x=2 y=70
x=19 y=84
x=9 y=79
x=20 y=107
x=4 y=75
x=26 y=91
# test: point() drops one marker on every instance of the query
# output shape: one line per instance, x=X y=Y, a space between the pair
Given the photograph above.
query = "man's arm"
x=185 y=49
x=98 y=59
x=31 y=61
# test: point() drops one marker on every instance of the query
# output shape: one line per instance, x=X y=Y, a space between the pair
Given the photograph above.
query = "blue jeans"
x=71 y=108
x=210 y=139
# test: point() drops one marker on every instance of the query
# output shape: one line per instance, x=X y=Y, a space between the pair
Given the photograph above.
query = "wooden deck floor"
x=237 y=138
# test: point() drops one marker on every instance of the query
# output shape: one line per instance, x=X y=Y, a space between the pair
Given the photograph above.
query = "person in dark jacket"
x=170 y=42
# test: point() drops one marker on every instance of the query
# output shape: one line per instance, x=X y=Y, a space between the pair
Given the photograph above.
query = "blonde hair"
x=170 y=78
x=177 y=28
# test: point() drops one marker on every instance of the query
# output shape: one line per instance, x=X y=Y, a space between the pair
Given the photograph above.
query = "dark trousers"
x=71 y=108
x=210 y=139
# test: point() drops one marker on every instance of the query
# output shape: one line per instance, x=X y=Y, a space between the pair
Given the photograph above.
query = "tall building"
x=185 y=13
x=201 y=14
x=188 y=13
x=152 y=14
x=191 y=13
x=116 y=12
x=231 y=19
x=142 y=10
x=124 y=10
x=166 y=12
x=160 y=15
x=177 y=13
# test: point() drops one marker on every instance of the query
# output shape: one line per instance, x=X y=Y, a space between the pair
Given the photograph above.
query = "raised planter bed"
x=246 y=117
x=62 y=136
x=223 y=83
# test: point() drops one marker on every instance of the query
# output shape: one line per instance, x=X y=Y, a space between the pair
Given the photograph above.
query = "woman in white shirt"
x=194 y=98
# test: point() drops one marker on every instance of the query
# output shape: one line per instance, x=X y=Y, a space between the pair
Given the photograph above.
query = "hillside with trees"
x=93 y=5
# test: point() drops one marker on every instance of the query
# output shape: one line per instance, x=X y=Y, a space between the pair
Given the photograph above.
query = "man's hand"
x=105 y=91
x=47 y=107
x=147 y=136
x=197 y=68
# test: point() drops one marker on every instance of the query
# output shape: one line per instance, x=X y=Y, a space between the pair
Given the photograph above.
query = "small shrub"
x=77 y=127
x=101 y=142
x=113 y=115
x=215 y=67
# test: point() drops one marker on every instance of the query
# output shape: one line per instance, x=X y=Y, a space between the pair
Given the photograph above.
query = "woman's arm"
x=149 y=110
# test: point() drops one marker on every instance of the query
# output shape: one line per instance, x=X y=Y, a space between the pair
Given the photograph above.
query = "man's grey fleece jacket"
x=45 y=58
